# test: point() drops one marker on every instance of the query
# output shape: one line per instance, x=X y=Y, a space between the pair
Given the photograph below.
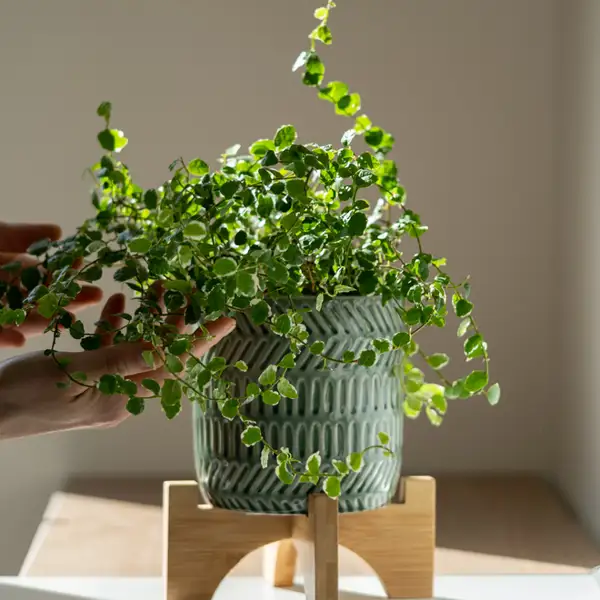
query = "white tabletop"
x=449 y=587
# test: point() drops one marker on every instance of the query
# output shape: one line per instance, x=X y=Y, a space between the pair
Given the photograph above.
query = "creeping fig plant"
x=284 y=221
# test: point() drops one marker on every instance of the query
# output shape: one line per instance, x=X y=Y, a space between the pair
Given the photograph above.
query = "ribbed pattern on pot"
x=338 y=411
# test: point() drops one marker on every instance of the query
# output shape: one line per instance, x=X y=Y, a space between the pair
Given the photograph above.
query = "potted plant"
x=329 y=292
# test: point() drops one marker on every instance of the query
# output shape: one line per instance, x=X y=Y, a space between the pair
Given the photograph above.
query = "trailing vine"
x=281 y=221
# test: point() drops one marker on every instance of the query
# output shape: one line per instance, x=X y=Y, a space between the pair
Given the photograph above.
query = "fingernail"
x=230 y=325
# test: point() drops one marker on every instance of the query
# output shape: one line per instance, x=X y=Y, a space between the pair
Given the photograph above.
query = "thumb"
x=127 y=360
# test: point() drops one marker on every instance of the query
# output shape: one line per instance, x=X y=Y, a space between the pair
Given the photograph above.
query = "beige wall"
x=466 y=86
x=578 y=439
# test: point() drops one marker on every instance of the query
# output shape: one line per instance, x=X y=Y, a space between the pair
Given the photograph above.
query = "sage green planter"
x=338 y=411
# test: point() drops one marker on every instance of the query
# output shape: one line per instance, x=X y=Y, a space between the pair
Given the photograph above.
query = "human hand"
x=15 y=239
x=32 y=404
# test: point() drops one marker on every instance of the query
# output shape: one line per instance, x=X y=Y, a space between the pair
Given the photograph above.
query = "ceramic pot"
x=338 y=411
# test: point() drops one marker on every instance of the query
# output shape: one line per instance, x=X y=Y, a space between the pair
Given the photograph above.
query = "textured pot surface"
x=338 y=411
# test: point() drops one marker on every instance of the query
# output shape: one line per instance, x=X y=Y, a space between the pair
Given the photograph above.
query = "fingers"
x=17 y=237
x=217 y=331
x=35 y=324
x=114 y=306
x=11 y=338
x=25 y=261
x=89 y=295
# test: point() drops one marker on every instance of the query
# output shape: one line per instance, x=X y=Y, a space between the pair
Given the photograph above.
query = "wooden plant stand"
x=202 y=544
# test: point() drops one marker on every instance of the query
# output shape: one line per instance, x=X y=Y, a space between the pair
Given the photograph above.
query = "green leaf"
x=314 y=72
x=77 y=330
x=198 y=167
x=284 y=137
x=332 y=486
x=348 y=356
x=150 y=199
x=476 y=381
x=139 y=245
x=180 y=346
x=319 y=303
x=367 y=283
x=268 y=376
x=401 y=339
x=152 y=386
x=148 y=357
x=265 y=455
x=48 y=305
x=107 y=384
x=195 y=230
x=433 y=416
x=365 y=178
x=321 y=13
x=493 y=394
x=251 y=435
x=91 y=342
x=229 y=188
x=135 y=406
x=313 y=463
x=440 y=403
x=112 y=140
x=240 y=365
x=246 y=284
x=229 y=409
x=296 y=188
x=463 y=327
x=91 y=274
x=382 y=345
x=278 y=272
x=286 y=389
x=348 y=105
x=179 y=285
x=259 y=312
x=344 y=289
x=334 y=91
x=216 y=364
x=301 y=60
x=413 y=316
x=357 y=224
x=384 y=438
x=127 y=387
x=317 y=347
x=224 y=267
x=282 y=324
x=367 y=358
x=438 y=361
x=474 y=346
x=252 y=390
x=104 y=110
x=323 y=34
x=284 y=475
x=269 y=159
x=202 y=378
x=463 y=308
x=171 y=410
x=355 y=461
x=287 y=362
x=374 y=137
x=261 y=147
x=171 y=392
x=31 y=277
x=174 y=365
x=341 y=467
x=271 y=398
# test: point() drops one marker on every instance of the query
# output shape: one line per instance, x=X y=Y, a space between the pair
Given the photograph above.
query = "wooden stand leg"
x=397 y=541
x=318 y=540
x=279 y=563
